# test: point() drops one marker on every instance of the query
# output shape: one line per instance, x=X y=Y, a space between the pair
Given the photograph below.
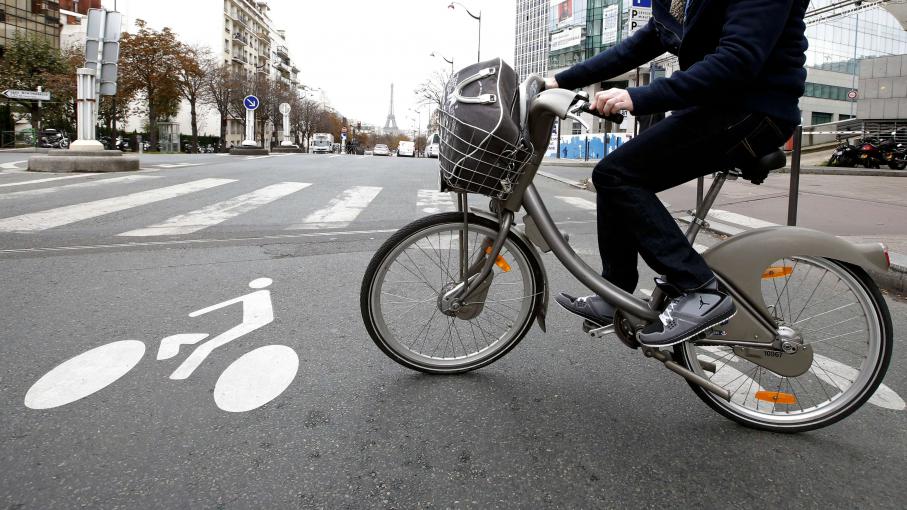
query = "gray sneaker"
x=687 y=316
x=592 y=308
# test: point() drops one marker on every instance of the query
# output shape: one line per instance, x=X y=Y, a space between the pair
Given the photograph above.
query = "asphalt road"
x=561 y=421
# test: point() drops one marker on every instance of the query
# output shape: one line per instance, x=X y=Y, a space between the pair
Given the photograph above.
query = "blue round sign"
x=250 y=102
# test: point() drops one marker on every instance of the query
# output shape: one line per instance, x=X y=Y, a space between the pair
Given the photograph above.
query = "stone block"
x=83 y=162
x=899 y=87
x=876 y=108
x=248 y=151
x=869 y=88
x=863 y=110
x=285 y=150
x=890 y=109
x=865 y=69
x=884 y=88
x=879 y=68
x=902 y=108
x=893 y=65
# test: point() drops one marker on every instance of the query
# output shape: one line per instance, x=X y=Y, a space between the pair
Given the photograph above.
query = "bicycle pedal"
x=596 y=330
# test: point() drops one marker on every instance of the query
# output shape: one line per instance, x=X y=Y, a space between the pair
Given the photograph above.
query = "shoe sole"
x=694 y=334
x=596 y=320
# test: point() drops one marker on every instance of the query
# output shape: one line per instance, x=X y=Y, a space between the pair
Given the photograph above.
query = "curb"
x=894 y=280
x=560 y=179
x=816 y=170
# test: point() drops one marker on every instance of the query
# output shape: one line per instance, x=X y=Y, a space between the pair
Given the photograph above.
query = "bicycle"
x=480 y=281
x=252 y=380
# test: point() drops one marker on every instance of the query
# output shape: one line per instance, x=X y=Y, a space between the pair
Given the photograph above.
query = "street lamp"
x=475 y=17
x=442 y=57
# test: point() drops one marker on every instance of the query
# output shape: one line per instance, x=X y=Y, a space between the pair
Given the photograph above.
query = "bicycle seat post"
x=702 y=209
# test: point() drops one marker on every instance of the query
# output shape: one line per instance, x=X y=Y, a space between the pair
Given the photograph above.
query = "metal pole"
x=479 y=53
x=794 y=193
x=700 y=186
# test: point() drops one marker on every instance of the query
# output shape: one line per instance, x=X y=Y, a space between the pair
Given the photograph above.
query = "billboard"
x=610 y=24
x=566 y=13
x=566 y=38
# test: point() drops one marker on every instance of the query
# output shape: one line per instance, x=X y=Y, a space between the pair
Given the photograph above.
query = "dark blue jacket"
x=743 y=54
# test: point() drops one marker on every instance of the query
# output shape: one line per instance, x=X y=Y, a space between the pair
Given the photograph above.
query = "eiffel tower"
x=390 y=126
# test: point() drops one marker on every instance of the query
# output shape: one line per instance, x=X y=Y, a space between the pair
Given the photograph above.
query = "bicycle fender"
x=541 y=307
x=742 y=259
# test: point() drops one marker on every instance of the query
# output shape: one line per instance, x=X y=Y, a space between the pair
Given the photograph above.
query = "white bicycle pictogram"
x=251 y=381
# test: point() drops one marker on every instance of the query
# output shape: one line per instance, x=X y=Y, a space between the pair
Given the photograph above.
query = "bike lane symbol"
x=251 y=381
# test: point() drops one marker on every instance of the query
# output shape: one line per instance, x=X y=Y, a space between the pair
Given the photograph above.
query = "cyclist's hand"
x=551 y=83
x=612 y=101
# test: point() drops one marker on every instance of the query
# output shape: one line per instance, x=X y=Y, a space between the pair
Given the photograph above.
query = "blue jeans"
x=686 y=145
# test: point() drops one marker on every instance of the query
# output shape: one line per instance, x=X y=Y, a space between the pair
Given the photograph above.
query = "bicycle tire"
x=865 y=393
x=372 y=276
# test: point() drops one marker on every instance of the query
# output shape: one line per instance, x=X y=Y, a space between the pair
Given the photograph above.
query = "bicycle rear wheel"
x=400 y=293
x=840 y=314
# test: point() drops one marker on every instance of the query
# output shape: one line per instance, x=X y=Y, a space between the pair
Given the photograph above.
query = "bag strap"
x=482 y=99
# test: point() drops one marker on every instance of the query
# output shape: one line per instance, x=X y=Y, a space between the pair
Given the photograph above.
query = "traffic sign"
x=251 y=102
x=33 y=95
x=852 y=94
x=284 y=108
x=642 y=3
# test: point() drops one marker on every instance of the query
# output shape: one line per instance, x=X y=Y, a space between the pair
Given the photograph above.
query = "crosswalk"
x=311 y=206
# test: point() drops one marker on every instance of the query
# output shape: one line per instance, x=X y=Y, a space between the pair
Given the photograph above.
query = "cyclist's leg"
x=616 y=244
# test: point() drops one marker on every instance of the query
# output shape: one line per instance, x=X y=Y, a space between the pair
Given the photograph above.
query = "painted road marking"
x=219 y=212
x=12 y=165
x=84 y=374
x=840 y=376
x=73 y=213
x=432 y=201
x=79 y=185
x=581 y=203
x=177 y=165
x=259 y=157
x=256 y=378
x=38 y=181
x=739 y=219
x=341 y=211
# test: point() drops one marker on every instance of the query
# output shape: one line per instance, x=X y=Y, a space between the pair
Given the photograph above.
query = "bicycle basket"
x=482 y=149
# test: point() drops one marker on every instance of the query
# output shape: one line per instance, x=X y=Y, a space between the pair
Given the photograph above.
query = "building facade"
x=29 y=18
x=531 y=44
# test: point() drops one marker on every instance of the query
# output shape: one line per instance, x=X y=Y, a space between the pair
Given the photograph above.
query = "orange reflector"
x=777 y=272
x=500 y=262
x=777 y=397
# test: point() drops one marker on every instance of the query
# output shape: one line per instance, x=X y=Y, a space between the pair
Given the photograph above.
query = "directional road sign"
x=250 y=102
x=34 y=95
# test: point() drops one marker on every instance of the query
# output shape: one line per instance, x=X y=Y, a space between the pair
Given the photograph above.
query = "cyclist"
x=733 y=99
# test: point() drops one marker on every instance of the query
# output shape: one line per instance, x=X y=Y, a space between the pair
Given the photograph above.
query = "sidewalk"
x=860 y=208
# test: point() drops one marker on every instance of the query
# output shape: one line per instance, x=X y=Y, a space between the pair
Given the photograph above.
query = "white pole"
x=250 y=130
x=86 y=99
x=286 y=131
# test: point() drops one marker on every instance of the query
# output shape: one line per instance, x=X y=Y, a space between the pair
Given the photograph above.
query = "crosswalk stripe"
x=342 y=210
x=177 y=165
x=219 y=212
x=433 y=201
x=739 y=219
x=72 y=213
x=79 y=185
x=581 y=203
x=38 y=181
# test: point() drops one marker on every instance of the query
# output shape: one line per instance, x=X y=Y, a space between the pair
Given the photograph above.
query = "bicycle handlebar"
x=616 y=118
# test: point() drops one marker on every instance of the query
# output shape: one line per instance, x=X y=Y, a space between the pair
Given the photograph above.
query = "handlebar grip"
x=616 y=118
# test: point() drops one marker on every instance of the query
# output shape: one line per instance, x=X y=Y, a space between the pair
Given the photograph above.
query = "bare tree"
x=310 y=113
x=221 y=90
x=195 y=63
x=432 y=93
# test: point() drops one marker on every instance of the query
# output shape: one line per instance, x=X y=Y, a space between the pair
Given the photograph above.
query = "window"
x=577 y=128
x=820 y=118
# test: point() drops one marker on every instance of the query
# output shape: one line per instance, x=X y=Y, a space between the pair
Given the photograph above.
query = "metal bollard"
x=794 y=193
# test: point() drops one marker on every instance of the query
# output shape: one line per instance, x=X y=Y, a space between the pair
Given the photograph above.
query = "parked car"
x=381 y=150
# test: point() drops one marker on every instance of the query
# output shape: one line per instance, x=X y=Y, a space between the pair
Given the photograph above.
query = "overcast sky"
x=354 y=49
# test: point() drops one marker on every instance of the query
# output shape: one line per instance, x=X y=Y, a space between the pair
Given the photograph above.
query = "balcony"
x=282 y=51
x=239 y=59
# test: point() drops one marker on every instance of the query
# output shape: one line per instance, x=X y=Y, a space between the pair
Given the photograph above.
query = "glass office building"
x=29 y=18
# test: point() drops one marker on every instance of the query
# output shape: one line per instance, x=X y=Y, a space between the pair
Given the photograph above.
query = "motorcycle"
x=868 y=153
x=53 y=139
x=845 y=154
x=892 y=152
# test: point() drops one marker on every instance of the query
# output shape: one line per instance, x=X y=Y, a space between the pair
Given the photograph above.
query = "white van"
x=433 y=146
x=406 y=149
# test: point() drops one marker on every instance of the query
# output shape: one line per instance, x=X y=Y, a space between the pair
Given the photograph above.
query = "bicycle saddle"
x=756 y=170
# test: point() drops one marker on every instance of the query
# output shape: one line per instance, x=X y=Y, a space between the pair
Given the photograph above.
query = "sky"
x=354 y=49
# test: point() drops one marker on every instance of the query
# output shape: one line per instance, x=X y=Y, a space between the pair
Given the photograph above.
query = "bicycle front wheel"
x=838 y=311
x=402 y=285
